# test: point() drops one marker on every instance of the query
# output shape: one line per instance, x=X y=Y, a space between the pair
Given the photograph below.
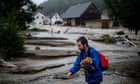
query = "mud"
x=51 y=63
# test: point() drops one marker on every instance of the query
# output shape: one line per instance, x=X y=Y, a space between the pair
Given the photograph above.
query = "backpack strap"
x=89 y=55
x=88 y=52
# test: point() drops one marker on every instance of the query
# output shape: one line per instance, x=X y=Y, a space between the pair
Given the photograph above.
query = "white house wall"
x=41 y=19
x=55 y=18
x=73 y=22
x=93 y=23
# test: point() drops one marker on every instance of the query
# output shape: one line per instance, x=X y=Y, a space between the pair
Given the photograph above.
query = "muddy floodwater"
x=49 y=57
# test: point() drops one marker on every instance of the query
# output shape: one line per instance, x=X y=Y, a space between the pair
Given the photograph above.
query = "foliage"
x=126 y=12
x=14 y=14
x=113 y=10
x=24 y=11
x=11 y=44
x=129 y=14
x=120 y=33
x=107 y=39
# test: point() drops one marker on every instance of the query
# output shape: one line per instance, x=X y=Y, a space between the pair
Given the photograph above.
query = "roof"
x=76 y=11
x=38 y=13
x=103 y=17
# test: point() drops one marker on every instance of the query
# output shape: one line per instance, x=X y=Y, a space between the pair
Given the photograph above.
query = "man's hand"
x=69 y=75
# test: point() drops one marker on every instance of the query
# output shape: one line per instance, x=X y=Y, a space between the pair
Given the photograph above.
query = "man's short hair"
x=83 y=40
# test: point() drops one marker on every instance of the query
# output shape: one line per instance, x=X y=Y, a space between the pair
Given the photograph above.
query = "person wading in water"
x=90 y=64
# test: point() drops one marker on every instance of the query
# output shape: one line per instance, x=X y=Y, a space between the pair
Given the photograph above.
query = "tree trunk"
x=116 y=24
x=136 y=31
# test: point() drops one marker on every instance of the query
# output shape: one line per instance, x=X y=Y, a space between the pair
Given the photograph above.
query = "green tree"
x=24 y=11
x=14 y=14
x=130 y=14
x=11 y=43
x=113 y=10
x=126 y=12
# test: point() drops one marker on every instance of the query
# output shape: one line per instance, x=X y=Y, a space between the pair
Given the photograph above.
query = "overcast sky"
x=38 y=1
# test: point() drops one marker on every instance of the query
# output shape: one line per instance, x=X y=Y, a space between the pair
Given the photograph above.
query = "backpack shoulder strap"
x=89 y=55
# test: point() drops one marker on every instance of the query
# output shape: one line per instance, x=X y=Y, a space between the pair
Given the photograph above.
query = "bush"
x=11 y=43
x=107 y=39
x=120 y=33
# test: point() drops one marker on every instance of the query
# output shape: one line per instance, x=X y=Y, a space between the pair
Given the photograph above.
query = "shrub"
x=120 y=33
x=107 y=39
x=11 y=43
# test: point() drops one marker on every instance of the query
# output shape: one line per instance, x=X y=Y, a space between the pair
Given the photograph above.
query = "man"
x=95 y=75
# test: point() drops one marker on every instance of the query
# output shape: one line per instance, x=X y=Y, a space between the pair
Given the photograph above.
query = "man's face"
x=81 y=46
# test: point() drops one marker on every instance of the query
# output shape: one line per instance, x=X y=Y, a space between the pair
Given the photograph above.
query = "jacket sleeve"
x=95 y=58
x=76 y=65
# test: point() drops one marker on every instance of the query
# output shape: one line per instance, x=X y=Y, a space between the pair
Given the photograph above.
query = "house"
x=56 y=19
x=41 y=19
x=106 y=22
x=85 y=14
